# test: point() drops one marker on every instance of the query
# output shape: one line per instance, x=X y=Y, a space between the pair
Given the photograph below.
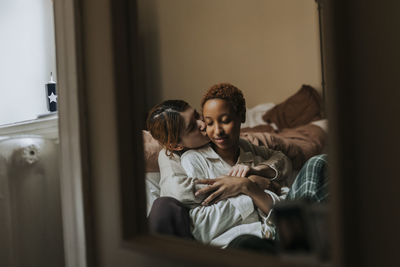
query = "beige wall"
x=268 y=48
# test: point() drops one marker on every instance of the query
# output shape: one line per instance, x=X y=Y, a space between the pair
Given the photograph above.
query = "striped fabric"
x=312 y=181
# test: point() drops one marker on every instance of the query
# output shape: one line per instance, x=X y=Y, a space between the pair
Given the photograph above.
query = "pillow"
x=259 y=128
x=151 y=149
x=152 y=189
x=301 y=108
x=254 y=115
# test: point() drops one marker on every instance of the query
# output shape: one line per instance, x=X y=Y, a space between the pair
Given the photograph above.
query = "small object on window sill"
x=51 y=94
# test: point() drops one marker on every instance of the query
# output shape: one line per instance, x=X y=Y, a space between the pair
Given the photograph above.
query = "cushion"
x=152 y=189
x=301 y=108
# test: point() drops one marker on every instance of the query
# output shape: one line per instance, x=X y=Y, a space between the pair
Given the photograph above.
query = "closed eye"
x=226 y=119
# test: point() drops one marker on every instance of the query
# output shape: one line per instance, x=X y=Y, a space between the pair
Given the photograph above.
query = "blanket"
x=299 y=143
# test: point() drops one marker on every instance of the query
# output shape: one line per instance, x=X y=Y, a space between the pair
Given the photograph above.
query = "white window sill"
x=46 y=126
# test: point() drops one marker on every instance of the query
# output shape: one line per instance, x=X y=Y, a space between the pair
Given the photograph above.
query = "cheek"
x=195 y=138
x=209 y=131
x=233 y=129
x=229 y=128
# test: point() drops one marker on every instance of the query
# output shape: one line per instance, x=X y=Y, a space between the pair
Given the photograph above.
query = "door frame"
x=101 y=109
x=72 y=128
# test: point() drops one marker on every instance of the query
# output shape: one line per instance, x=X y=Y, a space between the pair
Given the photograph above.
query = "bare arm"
x=261 y=175
x=268 y=160
x=174 y=182
x=261 y=200
x=229 y=186
x=266 y=183
x=242 y=170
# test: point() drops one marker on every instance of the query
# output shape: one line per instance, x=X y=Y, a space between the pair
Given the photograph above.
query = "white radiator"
x=30 y=208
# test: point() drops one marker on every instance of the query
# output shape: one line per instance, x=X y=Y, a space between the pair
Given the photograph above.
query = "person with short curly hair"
x=229 y=93
x=225 y=166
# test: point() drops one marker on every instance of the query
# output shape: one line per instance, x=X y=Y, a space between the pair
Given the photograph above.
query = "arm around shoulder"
x=174 y=182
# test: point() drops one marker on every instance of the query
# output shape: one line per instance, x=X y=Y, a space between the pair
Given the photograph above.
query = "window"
x=27 y=53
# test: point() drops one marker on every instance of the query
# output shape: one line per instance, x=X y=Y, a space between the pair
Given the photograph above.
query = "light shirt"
x=206 y=163
x=226 y=214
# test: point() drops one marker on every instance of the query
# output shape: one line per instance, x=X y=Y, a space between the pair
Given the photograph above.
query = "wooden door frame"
x=131 y=114
x=72 y=133
x=99 y=232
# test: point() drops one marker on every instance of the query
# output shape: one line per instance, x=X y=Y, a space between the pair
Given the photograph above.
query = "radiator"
x=30 y=208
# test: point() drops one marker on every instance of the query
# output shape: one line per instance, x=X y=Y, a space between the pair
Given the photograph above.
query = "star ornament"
x=52 y=98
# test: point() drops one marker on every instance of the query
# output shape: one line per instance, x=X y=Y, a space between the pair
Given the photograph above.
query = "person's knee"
x=313 y=161
x=164 y=203
x=314 y=164
x=319 y=160
x=169 y=216
x=254 y=243
x=162 y=208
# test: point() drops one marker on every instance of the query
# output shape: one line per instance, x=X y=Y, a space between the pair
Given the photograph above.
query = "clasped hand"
x=221 y=188
x=233 y=184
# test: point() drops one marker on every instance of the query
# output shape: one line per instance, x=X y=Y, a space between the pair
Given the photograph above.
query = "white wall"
x=27 y=56
x=268 y=48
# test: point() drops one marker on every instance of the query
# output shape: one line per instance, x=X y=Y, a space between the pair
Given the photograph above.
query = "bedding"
x=299 y=109
x=299 y=143
x=152 y=180
x=254 y=115
x=152 y=172
x=294 y=127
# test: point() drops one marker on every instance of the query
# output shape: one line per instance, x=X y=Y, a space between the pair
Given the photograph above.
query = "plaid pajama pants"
x=312 y=181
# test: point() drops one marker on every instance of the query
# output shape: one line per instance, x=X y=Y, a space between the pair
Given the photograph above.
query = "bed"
x=296 y=127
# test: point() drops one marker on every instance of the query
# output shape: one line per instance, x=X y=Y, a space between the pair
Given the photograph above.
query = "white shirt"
x=174 y=182
x=206 y=163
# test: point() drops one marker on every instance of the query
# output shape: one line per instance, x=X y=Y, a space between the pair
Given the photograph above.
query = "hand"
x=275 y=187
x=266 y=183
x=222 y=188
x=263 y=183
x=239 y=170
x=263 y=170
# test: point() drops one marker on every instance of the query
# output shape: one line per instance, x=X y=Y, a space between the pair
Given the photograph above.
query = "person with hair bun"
x=176 y=126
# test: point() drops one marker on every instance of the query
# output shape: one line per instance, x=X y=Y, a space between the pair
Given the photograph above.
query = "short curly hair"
x=229 y=93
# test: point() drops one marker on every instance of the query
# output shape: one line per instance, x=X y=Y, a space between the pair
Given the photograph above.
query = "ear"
x=177 y=147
